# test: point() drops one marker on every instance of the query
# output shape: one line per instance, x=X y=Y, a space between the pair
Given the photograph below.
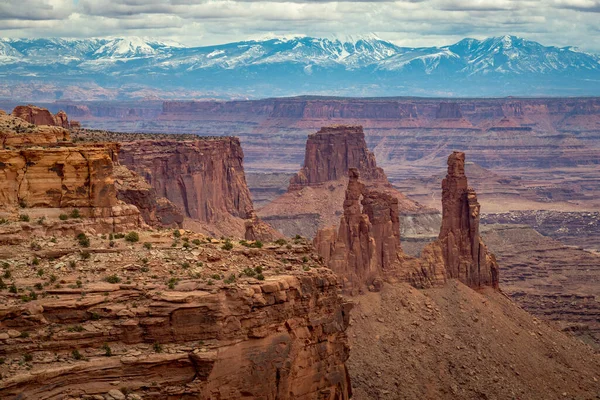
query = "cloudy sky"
x=406 y=22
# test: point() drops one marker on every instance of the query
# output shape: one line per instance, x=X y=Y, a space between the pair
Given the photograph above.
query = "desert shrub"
x=228 y=245
x=75 y=213
x=107 y=350
x=147 y=245
x=63 y=217
x=85 y=255
x=157 y=347
x=258 y=269
x=216 y=276
x=249 y=272
x=230 y=279
x=24 y=217
x=27 y=358
x=132 y=237
x=260 y=277
x=77 y=355
x=112 y=279
x=3 y=221
x=176 y=233
x=280 y=242
x=196 y=242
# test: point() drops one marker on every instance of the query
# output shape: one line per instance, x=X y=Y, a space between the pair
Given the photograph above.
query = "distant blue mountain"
x=363 y=66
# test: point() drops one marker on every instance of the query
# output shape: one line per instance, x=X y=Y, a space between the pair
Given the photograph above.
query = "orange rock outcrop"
x=366 y=248
x=41 y=116
x=331 y=152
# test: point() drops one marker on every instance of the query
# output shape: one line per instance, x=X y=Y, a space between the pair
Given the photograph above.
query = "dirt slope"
x=455 y=343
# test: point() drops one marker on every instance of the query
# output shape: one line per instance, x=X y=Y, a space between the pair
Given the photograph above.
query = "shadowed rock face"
x=331 y=152
x=205 y=178
x=465 y=255
x=366 y=248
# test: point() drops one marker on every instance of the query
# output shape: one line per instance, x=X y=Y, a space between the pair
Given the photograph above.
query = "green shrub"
x=176 y=233
x=260 y=277
x=2 y=284
x=7 y=274
x=35 y=261
x=230 y=279
x=38 y=286
x=107 y=350
x=75 y=214
x=258 y=269
x=28 y=358
x=3 y=221
x=53 y=278
x=147 y=245
x=157 y=347
x=196 y=242
x=112 y=279
x=132 y=237
x=216 y=277
x=228 y=245
x=77 y=355
x=63 y=217
x=85 y=255
x=12 y=288
x=84 y=241
x=280 y=242
x=249 y=272
x=24 y=217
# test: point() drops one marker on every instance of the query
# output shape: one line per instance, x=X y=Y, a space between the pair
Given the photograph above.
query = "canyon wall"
x=41 y=116
x=204 y=177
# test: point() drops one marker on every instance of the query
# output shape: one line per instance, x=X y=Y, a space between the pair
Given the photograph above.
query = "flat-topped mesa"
x=331 y=152
x=465 y=255
x=203 y=177
x=365 y=247
x=41 y=116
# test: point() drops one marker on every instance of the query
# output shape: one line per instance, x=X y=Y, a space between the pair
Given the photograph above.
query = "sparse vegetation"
x=260 y=277
x=112 y=279
x=24 y=217
x=280 y=242
x=75 y=213
x=228 y=245
x=230 y=279
x=84 y=241
x=63 y=217
x=147 y=245
x=107 y=350
x=77 y=355
x=132 y=237
x=157 y=347
x=177 y=233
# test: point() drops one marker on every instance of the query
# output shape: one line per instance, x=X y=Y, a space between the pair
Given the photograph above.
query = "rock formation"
x=156 y=211
x=41 y=116
x=204 y=177
x=465 y=255
x=319 y=187
x=267 y=335
x=366 y=248
x=43 y=174
x=331 y=152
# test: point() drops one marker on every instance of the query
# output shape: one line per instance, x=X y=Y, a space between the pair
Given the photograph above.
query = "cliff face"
x=465 y=254
x=43 y=175
x=281 y=336
x=205 y=177
x=331 y=152
x=156 y=211
x=367 y=242
x=56 y=177
x=366 y=248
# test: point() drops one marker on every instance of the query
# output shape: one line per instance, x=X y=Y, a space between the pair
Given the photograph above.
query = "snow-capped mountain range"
x=367 y=65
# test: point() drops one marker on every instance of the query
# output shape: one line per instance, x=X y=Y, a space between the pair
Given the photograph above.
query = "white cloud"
x=406 y=22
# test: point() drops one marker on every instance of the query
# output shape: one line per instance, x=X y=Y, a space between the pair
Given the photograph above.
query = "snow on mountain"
x=366 y=59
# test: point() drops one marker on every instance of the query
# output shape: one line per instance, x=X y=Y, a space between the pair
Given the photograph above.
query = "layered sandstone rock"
x=41 y=116
x=317 y=191
x=156 y=211
x=331 y=152
x=366 y=248
x=56 y=178
x=16 y=132
x=204 y=177
x=277 y=336
x=465 y=255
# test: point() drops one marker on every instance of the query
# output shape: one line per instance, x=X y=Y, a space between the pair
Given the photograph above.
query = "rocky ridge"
x=173 y=314
x=365 y=249
x=319 y=187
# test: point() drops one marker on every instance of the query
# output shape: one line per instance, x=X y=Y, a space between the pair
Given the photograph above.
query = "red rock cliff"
x=204 y=177
x=41 y=116
x=366 y=248
x=465 y=254
x=331 y=152
x=367 y=242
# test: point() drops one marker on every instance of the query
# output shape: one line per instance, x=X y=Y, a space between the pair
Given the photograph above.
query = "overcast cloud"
x=406 y=22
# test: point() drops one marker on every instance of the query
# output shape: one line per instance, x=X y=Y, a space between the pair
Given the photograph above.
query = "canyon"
x=156 y=305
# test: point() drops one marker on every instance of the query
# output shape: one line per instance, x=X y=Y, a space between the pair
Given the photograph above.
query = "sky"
x=406 y=23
